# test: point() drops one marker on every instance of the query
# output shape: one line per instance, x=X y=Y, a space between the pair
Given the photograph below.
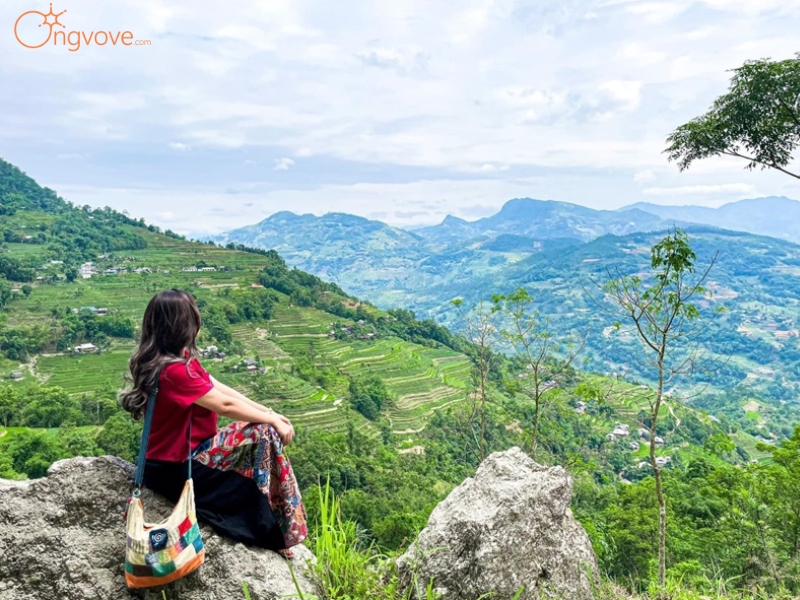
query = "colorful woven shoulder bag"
x=158 y=553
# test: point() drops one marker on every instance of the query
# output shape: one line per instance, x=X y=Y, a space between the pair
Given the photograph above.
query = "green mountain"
x=74 y=276
x=335 y=245
x=755 y=343
x=774 y=216
x=370 y=257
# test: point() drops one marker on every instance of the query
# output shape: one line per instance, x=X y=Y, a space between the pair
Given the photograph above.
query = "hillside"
x=752 y=347
x=86 y=275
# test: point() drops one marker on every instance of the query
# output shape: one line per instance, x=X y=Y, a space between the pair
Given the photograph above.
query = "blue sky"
x=402 y=111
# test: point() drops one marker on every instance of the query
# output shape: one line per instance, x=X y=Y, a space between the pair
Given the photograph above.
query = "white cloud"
x=627 y=93
x=641 y=54
x=489 y=168
x=471 y=21
x=283 y=164
x=656 y=12
x=583 y=92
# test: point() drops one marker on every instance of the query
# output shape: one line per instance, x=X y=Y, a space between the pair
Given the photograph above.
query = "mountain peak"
x=451 y=220
x=282 y=215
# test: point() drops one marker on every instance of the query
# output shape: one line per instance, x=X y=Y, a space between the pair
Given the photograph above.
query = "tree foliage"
x=758 y=120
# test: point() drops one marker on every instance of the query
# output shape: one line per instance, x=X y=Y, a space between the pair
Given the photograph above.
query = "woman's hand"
x=285 y=420
x=284 y=428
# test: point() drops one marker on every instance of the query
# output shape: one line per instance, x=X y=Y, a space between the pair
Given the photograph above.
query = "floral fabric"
x=255 y=450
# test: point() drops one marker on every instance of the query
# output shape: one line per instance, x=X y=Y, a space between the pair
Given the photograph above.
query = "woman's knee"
x=265 y=429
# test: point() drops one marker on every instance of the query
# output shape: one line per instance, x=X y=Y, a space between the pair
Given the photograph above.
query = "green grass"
x=27 y=251
x=9 y=433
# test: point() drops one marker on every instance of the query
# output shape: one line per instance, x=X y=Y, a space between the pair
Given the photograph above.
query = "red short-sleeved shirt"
x=180 y=384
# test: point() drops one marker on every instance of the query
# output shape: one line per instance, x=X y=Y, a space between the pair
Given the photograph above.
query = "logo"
x=35 y=29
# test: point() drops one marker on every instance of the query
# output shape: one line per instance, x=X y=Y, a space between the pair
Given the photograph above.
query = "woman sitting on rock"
x=243 y=481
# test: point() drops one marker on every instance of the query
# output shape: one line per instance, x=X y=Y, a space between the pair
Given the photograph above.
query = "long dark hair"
x=170 y=325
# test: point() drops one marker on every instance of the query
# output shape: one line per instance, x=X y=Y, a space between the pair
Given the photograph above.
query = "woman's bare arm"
x=235 y=408
x=216 y=400
x=232 y=392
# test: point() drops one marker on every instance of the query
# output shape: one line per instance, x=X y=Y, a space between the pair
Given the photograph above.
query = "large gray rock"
x=62 y=537
x=509 y=526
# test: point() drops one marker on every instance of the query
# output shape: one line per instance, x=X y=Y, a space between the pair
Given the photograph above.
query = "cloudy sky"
x=402 y=111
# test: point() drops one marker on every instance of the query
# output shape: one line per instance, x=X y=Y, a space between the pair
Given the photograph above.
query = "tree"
x=33 y=452
x=77 y=442
x=11 y=405
x=661 y=311
x=5 y=291
x=719 y=444
x=7 y=467
x=482 y=333
x=538 y=349
x=51 y=407
x=120 y=436
x=758 y=120
x=781 y=480
x=369 y=396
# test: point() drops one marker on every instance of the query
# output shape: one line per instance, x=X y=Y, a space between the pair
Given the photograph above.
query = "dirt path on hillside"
x=31 y=366
x=677 y=419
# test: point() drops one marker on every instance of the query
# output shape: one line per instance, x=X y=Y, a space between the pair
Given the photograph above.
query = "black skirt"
x=230 y=502
x=244 y=486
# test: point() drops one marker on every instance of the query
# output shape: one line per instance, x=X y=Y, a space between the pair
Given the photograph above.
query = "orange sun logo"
x=45 y=21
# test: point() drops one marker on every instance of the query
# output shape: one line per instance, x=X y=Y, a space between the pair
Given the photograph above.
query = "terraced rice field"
x=93 y=372
x=420 y=379
x=294 y=328
x=257 y=337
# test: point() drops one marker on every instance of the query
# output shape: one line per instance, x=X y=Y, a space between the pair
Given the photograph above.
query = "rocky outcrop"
x=509 y=526
x=62 y=537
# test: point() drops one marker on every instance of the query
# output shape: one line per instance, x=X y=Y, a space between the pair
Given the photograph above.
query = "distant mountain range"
x=544 y=219
x=554 y=249
x=775 y=216
x=390 y=265
x=537 y=220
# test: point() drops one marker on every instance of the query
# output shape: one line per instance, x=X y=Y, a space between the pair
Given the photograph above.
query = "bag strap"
x=148 y=419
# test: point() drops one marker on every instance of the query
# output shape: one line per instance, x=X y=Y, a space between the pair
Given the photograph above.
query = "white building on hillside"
x=87 y=270
x=86 y=349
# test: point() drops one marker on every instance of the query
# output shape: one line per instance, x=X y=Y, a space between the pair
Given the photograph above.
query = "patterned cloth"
x=255 y=450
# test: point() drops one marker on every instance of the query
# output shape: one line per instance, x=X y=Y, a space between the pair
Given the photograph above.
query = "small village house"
x=86 y=349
